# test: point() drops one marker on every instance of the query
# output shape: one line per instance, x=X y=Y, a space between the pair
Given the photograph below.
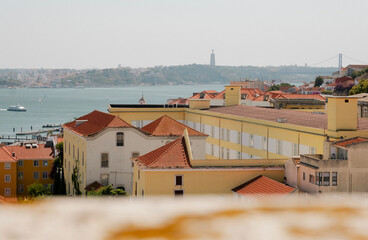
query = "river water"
x=61 y=105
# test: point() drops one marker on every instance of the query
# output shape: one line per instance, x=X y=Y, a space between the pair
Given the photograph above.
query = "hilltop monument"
x=212 y=61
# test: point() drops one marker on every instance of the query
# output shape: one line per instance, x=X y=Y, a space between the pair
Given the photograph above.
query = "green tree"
x=362 y=87
x=38 y=190
x=275 y=87
x=76 y=178
x=318 y=81
x=57 y=172
x=107 y=191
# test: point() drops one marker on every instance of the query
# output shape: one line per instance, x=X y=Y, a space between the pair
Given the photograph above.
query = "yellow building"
x=170 y=170
x=243 y=132
x=34 y=162
x=8 y=174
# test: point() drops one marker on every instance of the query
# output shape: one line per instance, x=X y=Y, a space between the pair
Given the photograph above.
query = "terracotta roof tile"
x=41 y=152
x=94 y=186
x=95 y=122
x=347 y=142
x=6 y=156
x=166 y=126
x=300 y=96
x=262 y=185
x=171 y=155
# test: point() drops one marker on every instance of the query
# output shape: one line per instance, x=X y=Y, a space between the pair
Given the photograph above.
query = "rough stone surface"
x=336 y=217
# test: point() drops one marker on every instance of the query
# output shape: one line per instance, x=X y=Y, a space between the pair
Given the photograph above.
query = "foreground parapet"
x=188 y=218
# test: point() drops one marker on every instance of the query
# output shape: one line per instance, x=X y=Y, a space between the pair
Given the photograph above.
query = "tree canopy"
x=362 y=87
x=38 y=190
x=318 y=81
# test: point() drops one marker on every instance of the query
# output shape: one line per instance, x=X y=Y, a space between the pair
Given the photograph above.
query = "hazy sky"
x=141 y=33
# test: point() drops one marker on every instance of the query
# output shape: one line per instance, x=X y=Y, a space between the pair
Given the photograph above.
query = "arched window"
x=119 y=139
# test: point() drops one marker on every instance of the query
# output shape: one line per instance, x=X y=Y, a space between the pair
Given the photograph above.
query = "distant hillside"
x=195 y=74
x=186 y=74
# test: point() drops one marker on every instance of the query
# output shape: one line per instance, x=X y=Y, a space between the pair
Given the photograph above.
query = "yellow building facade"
x=241 y=132
x=8 y=175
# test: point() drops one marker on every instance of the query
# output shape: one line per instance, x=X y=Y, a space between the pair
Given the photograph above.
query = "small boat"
x=17 y=108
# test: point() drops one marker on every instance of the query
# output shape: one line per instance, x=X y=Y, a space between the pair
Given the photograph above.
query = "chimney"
x=232 y=95
x=342 y=113
x=13 y=154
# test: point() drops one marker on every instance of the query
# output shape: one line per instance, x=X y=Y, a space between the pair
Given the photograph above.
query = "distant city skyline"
x=99 y=34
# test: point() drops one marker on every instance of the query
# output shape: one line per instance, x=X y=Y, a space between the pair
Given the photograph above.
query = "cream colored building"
x=101 y=145
x=342 y=168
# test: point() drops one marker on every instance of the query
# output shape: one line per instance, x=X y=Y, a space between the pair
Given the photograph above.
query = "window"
x=346 y=100
x=78 y=154
x=295 y=149
x=227 y=153
x=7 y=191
x=244 y=96
x=251 y=140
x=120 y=139
x=179 y=180
x=142 y=193
x=139 y=174
x=319 y=178
x=239 y=138
x=36 y=175
x=222 y=134
x=7 y=178
x=312 y=150
x=105 y=179
x=264 y=141
x=227 y=135
x=326 y=179
x=279 y=147
x=82 y=158
x=45 y=163
x=20 y=163
x=311 y=178
x=212 y=131
x=35 y=163
x=7 y=165
x=20 y=175
x=222 y=153
x=239 y=155
x=104 y=160
x=69 y=149
x=212 y=150
x=135 y=189
x=303 y=176
x=202 y=127
x=334 y=179
x=73 y=151
x=45 y=175
x=135 y=154
x=178 y=193
x=20 y=188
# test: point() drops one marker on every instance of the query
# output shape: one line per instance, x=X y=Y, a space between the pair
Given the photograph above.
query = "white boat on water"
x=18 y=108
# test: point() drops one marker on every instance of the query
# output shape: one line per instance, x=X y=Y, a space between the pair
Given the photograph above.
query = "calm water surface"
x=58 y=106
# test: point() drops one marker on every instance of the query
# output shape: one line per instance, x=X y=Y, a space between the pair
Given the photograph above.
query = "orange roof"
x=347 y=142
x=41 y=152
x=300 y=96
x=182 y=101
x=95 y=122
x=262 y=185
x=5 y=155
x=166 y=126
x=60 y=139
x=171 y=155
x=94 y=186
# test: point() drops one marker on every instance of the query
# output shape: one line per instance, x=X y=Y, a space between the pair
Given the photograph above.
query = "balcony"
x=316 y=161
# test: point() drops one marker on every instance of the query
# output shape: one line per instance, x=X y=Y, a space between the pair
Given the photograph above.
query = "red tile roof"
x=6 y=156
x=300 y=96
x=343 y=79
x=347 y=142
x=262 y=185
x=171 y=155
x=41 y=152
x=96 y=121
x=166 y=126
x=94 y=186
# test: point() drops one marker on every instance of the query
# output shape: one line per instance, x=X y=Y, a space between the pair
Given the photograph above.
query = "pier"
x=37 y=132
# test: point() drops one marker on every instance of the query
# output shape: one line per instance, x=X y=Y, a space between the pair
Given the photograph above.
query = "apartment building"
x=170 y=170
x=342 y=168
x=8 y=174
x=34 y=164
x=100 y=145
x=244 y=132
